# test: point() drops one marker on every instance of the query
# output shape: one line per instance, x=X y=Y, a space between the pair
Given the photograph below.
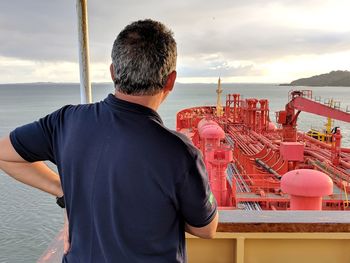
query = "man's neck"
x=150 y=101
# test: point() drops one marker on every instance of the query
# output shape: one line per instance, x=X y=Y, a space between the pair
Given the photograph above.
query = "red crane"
x=302 y=101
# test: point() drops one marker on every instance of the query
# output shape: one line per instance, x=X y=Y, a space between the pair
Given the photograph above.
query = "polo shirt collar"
x=124 y=105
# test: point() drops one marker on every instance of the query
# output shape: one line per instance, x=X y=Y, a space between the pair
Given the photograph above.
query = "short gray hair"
x=143 y=56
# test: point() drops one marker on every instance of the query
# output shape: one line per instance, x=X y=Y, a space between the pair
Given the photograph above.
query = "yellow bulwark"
x=219 y=109
x=275 y=237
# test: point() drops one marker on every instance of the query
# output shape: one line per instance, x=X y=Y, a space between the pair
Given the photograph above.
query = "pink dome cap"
x=307 y=182
x=212 y=132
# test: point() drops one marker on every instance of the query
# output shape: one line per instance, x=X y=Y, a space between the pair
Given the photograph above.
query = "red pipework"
x=322 y=144
x=336 y=139
x=345 y=164
x=265 y=141
x=325 y=159
x=219 y=158
x=317 y=156
x=236 y=99
x=271 y=127
x=288 y=120
x=216 y=157
x=233 y=103
x=228 y=106
x=251 y=113
x=264 y=113
x=252 y=136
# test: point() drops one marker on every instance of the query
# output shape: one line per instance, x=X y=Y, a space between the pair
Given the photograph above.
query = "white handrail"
x=84 y=57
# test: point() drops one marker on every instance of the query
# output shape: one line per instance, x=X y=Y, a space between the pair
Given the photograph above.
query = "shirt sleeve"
x=34 y=141
x=197 y=203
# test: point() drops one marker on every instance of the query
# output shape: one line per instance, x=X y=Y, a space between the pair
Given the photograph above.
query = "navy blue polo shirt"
x=130 y=183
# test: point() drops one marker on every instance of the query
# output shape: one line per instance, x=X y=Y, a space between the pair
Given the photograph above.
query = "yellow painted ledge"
x=270 y=248
x=275 y=247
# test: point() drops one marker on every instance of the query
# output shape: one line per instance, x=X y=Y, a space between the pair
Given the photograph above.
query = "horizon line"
x=182 y=83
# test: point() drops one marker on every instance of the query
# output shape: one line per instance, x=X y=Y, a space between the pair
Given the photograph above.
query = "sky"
x=252 y=41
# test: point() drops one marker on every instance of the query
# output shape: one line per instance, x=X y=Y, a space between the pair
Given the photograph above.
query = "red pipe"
x=264 y=140
x=322 y=144
x=318 y=156
x=345 y=164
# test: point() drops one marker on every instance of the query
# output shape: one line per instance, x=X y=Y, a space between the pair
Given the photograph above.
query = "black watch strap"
x=60 y=201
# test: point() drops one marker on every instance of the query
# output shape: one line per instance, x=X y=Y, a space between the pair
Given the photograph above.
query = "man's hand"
x=66 y=242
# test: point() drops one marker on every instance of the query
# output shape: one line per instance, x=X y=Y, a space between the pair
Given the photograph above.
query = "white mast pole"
x=84 y=58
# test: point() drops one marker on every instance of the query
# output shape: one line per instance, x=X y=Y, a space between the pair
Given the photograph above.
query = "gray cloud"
x=38 y=30
x=265 y=42
x=220 y=70
x=46 y=30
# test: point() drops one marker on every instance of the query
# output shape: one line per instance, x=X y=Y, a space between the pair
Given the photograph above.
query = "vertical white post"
x=84 y=58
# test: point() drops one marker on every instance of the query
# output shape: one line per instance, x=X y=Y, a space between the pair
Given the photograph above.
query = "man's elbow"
x=209 y=234
x=206 y=232
x=211 y=230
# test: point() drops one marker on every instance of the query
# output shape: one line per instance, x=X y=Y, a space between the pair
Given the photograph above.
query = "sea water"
x=30 y=219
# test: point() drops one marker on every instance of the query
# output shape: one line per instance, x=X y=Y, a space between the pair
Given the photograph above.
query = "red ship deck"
x=246 y=154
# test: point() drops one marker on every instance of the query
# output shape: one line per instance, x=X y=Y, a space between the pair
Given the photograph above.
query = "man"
x=131 y=186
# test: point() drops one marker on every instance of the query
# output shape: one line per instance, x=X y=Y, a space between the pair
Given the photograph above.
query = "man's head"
x=143 y=58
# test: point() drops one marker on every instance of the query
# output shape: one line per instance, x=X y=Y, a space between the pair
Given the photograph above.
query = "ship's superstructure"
x=247 y=155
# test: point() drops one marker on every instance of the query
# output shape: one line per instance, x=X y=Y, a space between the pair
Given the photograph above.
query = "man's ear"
x=170 y=81
x=111 y=69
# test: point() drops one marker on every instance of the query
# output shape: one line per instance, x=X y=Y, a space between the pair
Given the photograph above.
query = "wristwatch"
x=60 y=201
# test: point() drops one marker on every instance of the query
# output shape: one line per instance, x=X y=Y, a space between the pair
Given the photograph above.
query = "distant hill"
x=334 y=78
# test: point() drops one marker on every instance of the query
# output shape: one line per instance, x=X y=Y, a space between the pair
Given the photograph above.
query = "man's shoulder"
x=69 y=114
x=183 y=142
x=76 y=108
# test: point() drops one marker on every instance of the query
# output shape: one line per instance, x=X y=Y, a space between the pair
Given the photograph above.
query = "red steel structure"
x=246 y=154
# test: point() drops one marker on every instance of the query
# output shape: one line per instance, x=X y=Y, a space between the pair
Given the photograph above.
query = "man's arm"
x=66 y=241
x=35 y=174
x=207 y=231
